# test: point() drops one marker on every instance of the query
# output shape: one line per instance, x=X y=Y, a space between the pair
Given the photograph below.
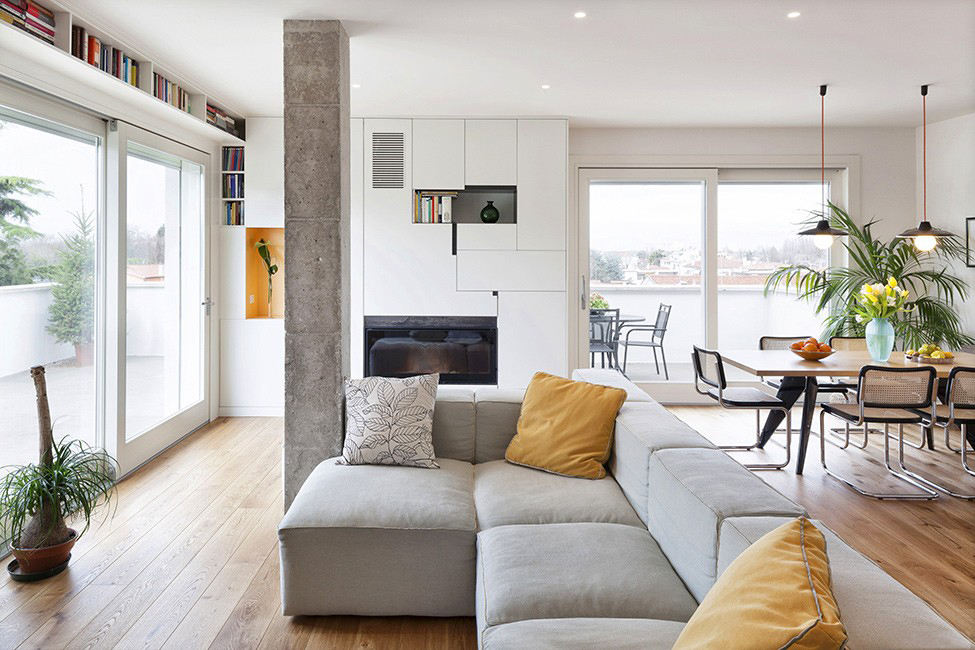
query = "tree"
x=650 y=258
x=13 y=264
x=605 y=267
x=15 y=227
x=72 y=313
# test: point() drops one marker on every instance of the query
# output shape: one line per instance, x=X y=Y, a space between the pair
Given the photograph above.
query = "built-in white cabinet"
x=511 y=270
x=356 y=242
x=438 y=154
x=491 y=156
x=233 y=279
x=542 y=164
x=487 y=237
x=264 y=173
x=252 y=366
x=531 y=336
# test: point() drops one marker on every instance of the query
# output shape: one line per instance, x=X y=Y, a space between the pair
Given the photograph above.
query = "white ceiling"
x=660 y=63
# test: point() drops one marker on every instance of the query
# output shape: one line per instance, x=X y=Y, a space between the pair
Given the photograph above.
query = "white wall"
x=23 y=317
x=887 y=155
x=951 y=189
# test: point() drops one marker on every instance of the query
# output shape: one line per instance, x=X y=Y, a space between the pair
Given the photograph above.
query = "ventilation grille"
x=387 y=160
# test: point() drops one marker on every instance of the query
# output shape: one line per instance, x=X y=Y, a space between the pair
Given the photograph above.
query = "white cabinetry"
x=264 y=167
x=491 y=156
x=355 y=245
x=511 y=270
x=252 y=366
x=531 y=336
x=487 y=237
x=438 y=154
x=541 y=184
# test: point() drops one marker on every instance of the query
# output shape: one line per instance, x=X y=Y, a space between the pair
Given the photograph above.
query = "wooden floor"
x=189 y=559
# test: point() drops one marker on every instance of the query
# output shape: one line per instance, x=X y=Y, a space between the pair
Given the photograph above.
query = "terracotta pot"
x=35 y=560
x=84 y=353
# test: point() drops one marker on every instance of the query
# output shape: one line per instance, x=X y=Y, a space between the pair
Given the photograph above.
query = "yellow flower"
x=867 y=289
x=904 y=293
x=887 y=289
x=892 y=282
x=872 y=298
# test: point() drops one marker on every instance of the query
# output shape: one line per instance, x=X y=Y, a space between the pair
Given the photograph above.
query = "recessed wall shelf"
x=146 y=94
x=467 y=203
x=232 y=185
x=256 y=304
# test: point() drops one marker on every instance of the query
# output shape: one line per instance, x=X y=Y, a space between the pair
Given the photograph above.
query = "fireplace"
x=463 y=349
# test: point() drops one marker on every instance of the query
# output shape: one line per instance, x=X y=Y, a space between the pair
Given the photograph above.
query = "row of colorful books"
x=234 y=213
x=103 y=56
x=433 y=207
x=221 y=120
x=233 y=159
x=37 y=20
x=233 y=186
x=170 y=92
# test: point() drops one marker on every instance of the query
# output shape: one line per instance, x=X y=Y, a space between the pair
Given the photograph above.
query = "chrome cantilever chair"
x=960 y=400
x=709 y=370
x=848 y=388
x=885 y=396
x=657 y=332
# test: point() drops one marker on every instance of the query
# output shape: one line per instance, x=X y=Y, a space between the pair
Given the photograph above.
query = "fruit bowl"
x=926 y=359
x=812 y=356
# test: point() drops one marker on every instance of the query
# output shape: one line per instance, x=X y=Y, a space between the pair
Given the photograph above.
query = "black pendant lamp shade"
x=925 y=236
x=823 y=231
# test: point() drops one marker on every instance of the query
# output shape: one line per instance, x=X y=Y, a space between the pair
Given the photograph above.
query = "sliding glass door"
x=162 y=358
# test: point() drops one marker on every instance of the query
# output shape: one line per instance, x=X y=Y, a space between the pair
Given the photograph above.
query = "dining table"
x=785 y=363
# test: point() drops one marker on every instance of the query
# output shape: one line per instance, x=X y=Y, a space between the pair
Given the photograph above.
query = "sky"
x=636 y=216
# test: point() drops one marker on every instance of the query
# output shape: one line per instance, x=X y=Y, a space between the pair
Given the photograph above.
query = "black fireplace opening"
x=463 y=349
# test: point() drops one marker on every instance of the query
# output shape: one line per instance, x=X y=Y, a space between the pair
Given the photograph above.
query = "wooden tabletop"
x=783 y=363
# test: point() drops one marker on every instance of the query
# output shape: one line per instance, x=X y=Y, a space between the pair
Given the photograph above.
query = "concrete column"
x=316 y=226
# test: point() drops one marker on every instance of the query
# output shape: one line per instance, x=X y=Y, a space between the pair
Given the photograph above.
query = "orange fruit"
x=812 y=339
x=797 y=345
x=825 y=348
x=810 y=347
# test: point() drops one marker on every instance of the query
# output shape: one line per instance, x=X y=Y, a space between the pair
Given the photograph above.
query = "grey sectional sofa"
x=545 y=561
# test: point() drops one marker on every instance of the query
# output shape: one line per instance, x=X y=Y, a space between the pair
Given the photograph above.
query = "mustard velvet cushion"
x=566 y=427
x=776 y=594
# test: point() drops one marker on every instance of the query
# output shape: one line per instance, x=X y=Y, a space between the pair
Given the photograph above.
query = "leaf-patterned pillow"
x=390 y=421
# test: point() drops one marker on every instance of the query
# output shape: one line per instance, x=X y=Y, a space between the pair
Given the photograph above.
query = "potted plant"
x=927 y=317
x=71 y=478
x=876 y=305
x=264 y=250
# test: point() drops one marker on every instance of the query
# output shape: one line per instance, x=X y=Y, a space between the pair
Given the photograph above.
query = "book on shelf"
x=169 y=92
x=234 y=213
x=221 y=120
x=433 y=207
x=30 y=17
x=104 y=56
x=233 y=159
x=233 y=186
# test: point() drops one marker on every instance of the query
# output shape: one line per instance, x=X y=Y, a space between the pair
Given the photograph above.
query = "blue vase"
x=880 y=339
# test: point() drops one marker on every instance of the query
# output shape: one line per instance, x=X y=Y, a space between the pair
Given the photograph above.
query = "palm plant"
x=933 y=288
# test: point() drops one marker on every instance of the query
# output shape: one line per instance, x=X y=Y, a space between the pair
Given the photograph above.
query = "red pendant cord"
x=822 y=134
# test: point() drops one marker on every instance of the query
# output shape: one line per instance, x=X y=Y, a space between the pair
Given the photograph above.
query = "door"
x=644 y=254
x=162 y=272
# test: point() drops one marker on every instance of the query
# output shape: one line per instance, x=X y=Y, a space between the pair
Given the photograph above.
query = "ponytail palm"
x=927 y=276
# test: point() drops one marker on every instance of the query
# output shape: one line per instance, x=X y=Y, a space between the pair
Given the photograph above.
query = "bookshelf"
x=232 y=185
x=464 y=206
x=155 y=85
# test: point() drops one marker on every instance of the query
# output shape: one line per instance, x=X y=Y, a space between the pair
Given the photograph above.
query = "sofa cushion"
x=643 y=428
x=390 y=421
x=566 y=426
x=776 y=594
x=583 y=634
x=497 y=411
x=614 y=378
x=575 y=570
x=352 y=527
x=453 y=423
x=691 y=491
x=863 y=591
x=508 y=494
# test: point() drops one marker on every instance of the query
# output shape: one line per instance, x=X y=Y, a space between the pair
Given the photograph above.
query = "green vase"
x=489 y=213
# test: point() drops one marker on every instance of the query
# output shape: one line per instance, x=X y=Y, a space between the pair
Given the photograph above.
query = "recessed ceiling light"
x=580 y=14
x=793 y=14
x=545 y=86
x=356 y=86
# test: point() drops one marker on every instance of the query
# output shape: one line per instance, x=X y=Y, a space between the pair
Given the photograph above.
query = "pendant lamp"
x=823 y=234
x=925 y=236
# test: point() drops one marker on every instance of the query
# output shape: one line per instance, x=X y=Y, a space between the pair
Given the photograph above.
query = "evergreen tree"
x=15 y=218
x=72 y=312
x=13 y=264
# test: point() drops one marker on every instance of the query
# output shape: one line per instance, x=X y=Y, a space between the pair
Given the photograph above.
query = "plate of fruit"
x=930 y=353
x=811 y=350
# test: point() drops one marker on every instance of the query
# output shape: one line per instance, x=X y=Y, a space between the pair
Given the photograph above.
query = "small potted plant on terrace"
x=71 y=478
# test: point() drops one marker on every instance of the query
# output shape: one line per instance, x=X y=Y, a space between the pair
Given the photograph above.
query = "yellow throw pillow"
x=566 y=427
x=776 y=594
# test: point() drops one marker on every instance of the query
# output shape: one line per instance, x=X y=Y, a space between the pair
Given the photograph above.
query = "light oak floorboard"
x=190 y=558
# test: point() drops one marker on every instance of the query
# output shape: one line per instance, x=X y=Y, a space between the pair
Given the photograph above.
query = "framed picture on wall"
x=970 y=241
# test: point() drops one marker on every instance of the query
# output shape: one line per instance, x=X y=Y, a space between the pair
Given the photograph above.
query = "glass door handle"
x=208 y=304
